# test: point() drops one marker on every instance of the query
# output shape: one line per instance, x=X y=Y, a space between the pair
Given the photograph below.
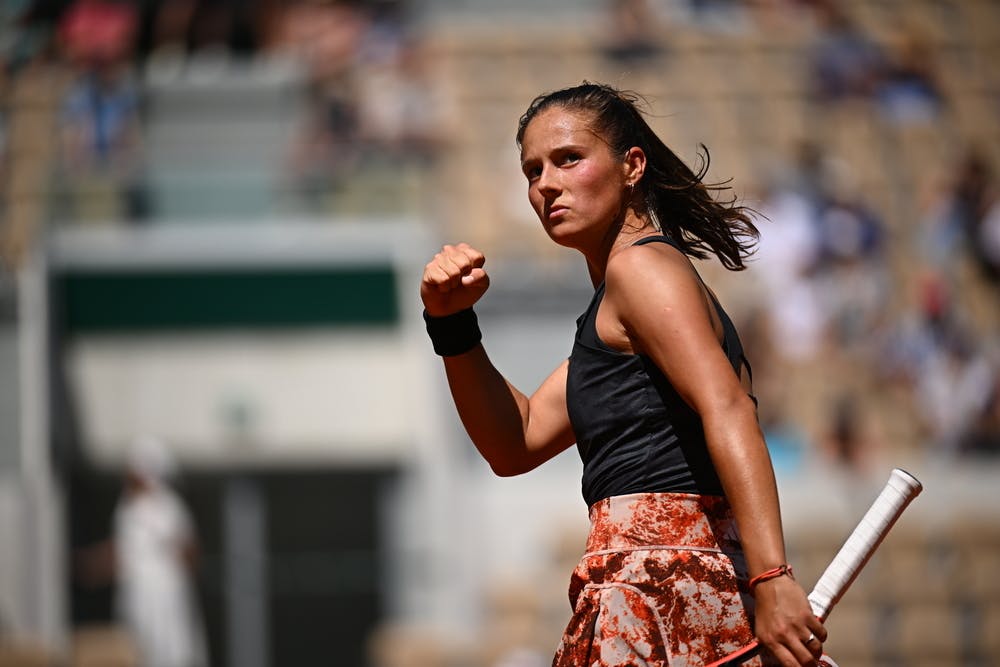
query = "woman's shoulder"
x=653 y=276
x=647 y=260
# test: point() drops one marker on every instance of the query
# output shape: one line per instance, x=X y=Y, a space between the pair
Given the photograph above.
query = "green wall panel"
x=109 y=301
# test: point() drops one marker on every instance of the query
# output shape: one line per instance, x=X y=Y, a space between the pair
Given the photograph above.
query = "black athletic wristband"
x=453 y=334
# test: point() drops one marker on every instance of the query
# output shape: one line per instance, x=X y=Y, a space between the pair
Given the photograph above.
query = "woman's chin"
x=560 y=229
x=561 y=236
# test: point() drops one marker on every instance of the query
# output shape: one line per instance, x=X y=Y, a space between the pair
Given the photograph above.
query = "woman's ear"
x=635 y=165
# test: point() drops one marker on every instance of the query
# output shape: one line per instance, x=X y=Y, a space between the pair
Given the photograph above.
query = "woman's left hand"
x=785 y=623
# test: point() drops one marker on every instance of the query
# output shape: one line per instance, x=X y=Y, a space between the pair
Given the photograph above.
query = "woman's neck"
x=633 y=228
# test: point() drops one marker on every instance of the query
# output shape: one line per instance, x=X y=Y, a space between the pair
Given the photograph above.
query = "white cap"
x=150 y=458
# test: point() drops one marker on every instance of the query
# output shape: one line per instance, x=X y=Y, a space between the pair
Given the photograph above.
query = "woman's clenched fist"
x=453 y=280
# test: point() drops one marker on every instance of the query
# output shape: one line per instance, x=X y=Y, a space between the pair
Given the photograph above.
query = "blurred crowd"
x=883 y=320
x=364 y=92
x=832 y=301
x=826 y=255
x=835 y=280
x=909 y=305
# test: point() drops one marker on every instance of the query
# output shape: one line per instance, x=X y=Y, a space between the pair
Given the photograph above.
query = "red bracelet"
x=779 y=571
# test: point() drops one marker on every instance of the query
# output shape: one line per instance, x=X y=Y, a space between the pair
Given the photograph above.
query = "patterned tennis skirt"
x=662 y=583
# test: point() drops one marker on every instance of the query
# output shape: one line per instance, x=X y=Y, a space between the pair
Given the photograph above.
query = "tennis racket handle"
x=901 y=488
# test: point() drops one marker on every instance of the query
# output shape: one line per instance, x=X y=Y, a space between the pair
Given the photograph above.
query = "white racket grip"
x=901 y=488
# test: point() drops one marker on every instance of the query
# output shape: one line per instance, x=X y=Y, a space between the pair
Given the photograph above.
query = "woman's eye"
x=570 y=158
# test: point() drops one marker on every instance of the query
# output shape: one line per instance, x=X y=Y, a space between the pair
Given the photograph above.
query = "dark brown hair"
x=675 y=197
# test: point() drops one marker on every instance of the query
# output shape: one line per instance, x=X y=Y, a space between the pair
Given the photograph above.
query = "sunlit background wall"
x=215 y=214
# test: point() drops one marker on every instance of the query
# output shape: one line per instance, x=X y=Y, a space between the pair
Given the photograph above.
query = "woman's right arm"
x=514 y=432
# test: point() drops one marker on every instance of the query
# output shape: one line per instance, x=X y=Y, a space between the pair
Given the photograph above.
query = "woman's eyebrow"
x=569 y=146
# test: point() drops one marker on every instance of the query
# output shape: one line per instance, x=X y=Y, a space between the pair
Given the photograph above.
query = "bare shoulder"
x=661 y=303
x=645 y=271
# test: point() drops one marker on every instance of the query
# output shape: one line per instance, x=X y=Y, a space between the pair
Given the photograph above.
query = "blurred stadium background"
x=215 y=214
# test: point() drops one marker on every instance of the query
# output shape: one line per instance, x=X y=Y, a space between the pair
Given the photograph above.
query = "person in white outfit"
x=155 y=550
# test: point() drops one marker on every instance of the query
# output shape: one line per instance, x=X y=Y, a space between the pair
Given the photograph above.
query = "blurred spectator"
x=846 y=442
x=903 y=347
x=938 y=309
x=100 y=117
x=155 y=555
x=918 y=334
x=102 y=146
x=98 y=31
x=808 y=174
x=371 y=93
x=983 y=434
x=223 y=25
x=908 y=91
x=634 y=34
x=387 y=31
x=965 y=216
x=972 y=193
x=953 y=388
x=326 y=38
x=166 y=26
x=150 y=560
x=936 y=356
x=973 y=202
x=325 y=149
x=988 y=243
x=854 y=275
x=786 y=258
x=844 y=61
x=850 y=230
x=820 y=255
x=187 y=27
x=398 y=109
x=25 y=32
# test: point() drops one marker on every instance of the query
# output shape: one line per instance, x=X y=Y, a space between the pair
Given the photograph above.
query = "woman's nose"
x=547 y=181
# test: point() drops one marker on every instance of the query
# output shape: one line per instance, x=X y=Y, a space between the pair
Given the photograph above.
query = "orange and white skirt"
x=663 y=583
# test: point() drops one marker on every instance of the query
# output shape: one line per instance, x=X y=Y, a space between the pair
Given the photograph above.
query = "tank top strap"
x=658 y=238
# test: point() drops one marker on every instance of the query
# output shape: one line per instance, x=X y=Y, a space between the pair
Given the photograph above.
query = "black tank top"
x=634 y=432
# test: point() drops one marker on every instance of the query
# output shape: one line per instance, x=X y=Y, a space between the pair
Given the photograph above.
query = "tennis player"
x=685 y=562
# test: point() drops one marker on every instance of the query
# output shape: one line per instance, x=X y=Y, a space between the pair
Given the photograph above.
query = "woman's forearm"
x=736 y=445
x=513 y=432
x=492 y=410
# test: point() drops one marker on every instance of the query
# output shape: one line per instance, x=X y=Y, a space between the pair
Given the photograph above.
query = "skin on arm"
x=512 y=431
x=656 y=305
x=515 y=433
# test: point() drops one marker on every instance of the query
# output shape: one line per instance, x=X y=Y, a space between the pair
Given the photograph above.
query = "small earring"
x=631 y=189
